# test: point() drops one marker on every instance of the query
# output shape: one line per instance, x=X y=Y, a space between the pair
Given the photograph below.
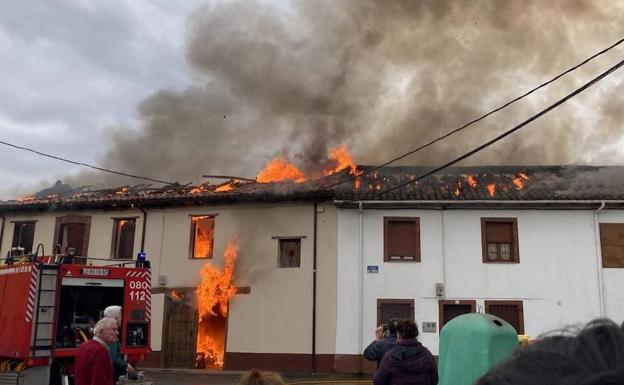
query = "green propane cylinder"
x=471 y=344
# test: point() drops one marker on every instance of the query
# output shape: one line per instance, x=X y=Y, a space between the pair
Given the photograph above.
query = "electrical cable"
x=84 y=164
x=510 y=131
x=507 y=104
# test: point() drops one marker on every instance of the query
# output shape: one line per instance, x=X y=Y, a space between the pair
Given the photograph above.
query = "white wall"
x=557 y=277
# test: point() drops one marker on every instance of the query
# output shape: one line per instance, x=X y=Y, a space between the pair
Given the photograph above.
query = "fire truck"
x=49 y=305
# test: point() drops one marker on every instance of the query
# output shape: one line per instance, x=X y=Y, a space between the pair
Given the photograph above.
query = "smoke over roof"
x=382 y=77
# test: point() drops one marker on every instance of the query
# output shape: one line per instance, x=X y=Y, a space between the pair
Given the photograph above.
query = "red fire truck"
x=49 y=305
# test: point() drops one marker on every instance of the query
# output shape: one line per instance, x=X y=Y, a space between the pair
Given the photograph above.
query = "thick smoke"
x=382 y=77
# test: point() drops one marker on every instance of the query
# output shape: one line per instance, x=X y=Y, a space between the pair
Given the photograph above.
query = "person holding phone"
x=385 y=338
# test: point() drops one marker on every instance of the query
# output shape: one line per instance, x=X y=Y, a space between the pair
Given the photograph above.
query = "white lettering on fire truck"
x=94 y=271
x=138 y=290
x=18 y=269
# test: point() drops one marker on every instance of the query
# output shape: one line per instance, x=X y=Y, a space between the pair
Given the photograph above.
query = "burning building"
x=295 y=273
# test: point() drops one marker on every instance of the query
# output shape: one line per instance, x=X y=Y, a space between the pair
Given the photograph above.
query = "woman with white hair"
x=120 y=366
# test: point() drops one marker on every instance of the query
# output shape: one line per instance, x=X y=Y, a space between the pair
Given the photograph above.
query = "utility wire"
x=511 y=131
x=84 y=164
x=366 y=172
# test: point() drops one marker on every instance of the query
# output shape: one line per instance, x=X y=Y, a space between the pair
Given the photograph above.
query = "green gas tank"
x=470 y=345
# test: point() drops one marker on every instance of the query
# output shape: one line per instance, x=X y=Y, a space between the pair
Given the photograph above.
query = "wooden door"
x=510 y=311
x=180 y=335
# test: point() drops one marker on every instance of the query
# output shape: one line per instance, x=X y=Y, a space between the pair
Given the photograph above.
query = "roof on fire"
x=451 y=187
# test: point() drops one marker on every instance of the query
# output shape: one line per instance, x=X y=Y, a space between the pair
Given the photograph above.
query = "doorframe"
x=442 y=302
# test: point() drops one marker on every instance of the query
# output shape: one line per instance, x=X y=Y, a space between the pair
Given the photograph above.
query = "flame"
x=123 y=191
x=491 y=188
x=357 y=183
x=26 y=198
x=52 y=196
x=203 y=236
x=213 y=293
x=472 y=182
x=278 y=170
x=343 y=160
x=458 y=189
x=176 y=295
x=518 y=181
x=198 y=190
x=225 y=187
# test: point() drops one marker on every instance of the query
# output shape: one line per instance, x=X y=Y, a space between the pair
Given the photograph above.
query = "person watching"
x=384 y=341
x=120 y=366
x=408 y=362
x=93 y=365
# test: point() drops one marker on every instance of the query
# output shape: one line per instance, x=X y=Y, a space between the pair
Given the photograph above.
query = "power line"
x=84 y=164
x=512 y=130
x=507 y=104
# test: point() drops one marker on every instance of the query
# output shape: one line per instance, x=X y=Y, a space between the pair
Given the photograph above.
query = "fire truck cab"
x=49 y=305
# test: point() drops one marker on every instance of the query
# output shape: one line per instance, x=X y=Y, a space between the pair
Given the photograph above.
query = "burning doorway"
x=213 y=295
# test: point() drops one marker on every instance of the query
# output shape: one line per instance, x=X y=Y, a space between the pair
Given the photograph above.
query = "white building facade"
x=551 y=275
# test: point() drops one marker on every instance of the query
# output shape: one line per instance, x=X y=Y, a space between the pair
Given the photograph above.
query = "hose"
x=84 y=336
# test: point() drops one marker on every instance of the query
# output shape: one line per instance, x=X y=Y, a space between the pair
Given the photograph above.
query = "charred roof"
x=453 y=185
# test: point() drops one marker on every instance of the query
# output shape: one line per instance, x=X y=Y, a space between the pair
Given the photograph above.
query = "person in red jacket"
x=93 y=365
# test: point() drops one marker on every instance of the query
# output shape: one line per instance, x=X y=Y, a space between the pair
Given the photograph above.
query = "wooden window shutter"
x=499 y=232
x=401 y=239
x=612 y=244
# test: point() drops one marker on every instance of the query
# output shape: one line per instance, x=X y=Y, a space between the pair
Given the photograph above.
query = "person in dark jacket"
x=408 y=362
x=383 y=342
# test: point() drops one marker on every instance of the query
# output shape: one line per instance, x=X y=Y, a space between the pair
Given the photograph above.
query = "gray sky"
x=173 y=90
x=74 y=69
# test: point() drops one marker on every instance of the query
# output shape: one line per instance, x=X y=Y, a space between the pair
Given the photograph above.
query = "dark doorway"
x=180 y=334
x=450 y=309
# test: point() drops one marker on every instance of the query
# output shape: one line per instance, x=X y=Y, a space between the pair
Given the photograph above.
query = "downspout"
x=314 y=287
x=2 y=232
x=361 y=284
x=443 y=255
x=599 y=260
x=144 y=226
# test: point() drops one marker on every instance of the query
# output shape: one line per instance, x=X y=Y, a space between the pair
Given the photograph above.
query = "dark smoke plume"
x=382 y=77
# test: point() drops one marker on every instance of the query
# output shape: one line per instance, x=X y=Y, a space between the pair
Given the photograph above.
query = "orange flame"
x=198 y=190
x=357 y=183
x=343 y=160
x=472 y=182
x=491 y=188
x=278 y=170
x=518 y=181
x=203 y=236
x=213 y=294
x=225 y=187
x=26 y=198
x=176 y=296
x=123 y=191
x=458 y=189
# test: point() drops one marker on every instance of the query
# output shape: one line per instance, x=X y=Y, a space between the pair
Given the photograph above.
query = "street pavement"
x=214 y=377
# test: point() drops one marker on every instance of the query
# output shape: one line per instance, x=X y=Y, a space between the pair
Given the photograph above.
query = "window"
x=202 y=236
x=123 y=238
x=72 y=231
x=499 y=237
x=510 y=311
x=289 y=252
x=23 y=235
x=612 y=242
x=401 y=239
x=394 y=308
x=450 y=309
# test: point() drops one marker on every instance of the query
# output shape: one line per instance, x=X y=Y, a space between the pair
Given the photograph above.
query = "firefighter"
x=120 y=366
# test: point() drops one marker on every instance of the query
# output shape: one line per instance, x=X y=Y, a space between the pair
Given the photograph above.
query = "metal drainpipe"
x=443 y=255
x=144 y=225
x=599 y=261
x=314 y=287
x=2 y=232
x=361 y=284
